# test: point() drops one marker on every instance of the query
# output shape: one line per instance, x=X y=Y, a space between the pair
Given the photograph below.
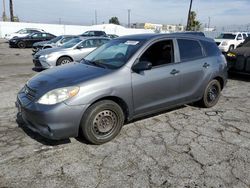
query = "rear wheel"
x=63 y=60
x=21 y=44
x=211 y=94
x=102 y=122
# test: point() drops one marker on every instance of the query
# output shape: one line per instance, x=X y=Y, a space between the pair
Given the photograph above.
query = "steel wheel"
x=102 y=122
x=211 y=94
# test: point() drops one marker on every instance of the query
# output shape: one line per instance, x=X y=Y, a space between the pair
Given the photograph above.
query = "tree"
x=11 y=11
x=194 y=25
x=114 y=20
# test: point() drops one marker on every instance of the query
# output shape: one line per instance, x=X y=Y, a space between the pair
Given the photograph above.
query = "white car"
x=74 y=50
x=23 y=33
x=229 y=41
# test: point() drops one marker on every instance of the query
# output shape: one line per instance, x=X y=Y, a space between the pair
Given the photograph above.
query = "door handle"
x=206 y=65
x=174 y=72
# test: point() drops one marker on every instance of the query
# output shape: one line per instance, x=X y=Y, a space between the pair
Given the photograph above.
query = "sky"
x=221 y=12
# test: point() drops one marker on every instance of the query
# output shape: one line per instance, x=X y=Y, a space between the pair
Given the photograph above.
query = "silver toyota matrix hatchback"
x=126 y=78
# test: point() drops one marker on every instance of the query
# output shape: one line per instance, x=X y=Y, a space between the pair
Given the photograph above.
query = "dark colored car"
x=28 y=41
x=239 y=58
x=55 y=42
x=126 y=78
x=94 y=34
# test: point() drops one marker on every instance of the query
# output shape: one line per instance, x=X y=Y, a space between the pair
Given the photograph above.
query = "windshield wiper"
x=95 y=63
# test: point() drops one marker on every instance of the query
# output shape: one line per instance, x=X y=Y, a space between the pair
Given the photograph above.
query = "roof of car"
x=84 y=38
x=168 y=35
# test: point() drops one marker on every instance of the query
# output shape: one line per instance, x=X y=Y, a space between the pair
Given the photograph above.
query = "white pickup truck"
x=229 y=41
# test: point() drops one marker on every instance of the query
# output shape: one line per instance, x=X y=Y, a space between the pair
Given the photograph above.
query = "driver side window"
x=160 y=53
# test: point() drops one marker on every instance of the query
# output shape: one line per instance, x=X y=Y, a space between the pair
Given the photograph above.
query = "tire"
x=63 y=60
x=21 y=44
x=231 y=47
x=211 y=94
x=102 y=122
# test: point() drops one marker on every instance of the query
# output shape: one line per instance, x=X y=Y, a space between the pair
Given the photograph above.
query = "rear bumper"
x=54 y=122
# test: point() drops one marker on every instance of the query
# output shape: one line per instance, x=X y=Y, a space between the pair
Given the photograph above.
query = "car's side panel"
x=155 y=88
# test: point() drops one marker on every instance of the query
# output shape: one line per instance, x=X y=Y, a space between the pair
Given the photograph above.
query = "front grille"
x=30 y=93
x=218 y=43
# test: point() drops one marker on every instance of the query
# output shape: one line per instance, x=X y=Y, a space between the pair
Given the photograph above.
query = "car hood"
x=242 y=51
x=221 y=40
x=63 y=76
x=52 y=50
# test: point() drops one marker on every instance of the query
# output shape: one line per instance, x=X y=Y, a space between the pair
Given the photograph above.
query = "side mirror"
x=78 y=47
x=142 y=66
x=239 y=38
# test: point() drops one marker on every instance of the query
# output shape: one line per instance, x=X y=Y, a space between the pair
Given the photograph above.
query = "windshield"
x=54 y=40
x=22 y=31
x=71 y=43
x=226 y=36
x=115 y=53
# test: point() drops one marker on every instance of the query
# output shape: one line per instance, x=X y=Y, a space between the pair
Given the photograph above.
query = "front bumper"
x=223 y=48
x=59 y=121
x=12 y=44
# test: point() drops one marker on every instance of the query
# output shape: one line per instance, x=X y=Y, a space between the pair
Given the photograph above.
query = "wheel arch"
x=221 y=81
x=117 y=100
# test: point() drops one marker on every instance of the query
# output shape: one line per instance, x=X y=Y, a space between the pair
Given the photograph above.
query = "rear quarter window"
x=211 y=48
x=189 y=49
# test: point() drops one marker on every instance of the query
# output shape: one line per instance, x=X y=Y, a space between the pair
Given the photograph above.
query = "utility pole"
x=209 y=19
x=95 y=17
x=4 y=12
x=189 y=12
x=11 y=11
x=129 y=11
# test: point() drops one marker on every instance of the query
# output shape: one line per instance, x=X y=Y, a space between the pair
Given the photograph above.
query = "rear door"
x=84 y=48
x=159 y=87
x=194 y=70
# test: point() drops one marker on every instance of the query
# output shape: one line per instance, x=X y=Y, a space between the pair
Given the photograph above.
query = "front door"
x=159 y=87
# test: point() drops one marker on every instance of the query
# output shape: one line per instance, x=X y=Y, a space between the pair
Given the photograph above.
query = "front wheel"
x=21 y=44
x=63 y=60
x=211 y=94
x=102 y=122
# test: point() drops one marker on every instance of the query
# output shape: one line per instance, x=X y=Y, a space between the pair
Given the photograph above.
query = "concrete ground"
x=185 y=147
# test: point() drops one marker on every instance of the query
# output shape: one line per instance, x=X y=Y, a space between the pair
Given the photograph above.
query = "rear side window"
x=189 y=49
x=211 y=48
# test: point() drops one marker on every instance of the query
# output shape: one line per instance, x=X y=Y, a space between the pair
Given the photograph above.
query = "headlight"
x=58 y=95
x=224 y=43
x=230 y=54
x=46 y=56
